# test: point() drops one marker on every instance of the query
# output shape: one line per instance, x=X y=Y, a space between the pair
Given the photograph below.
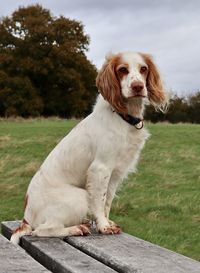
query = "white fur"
x=80 y=176
x=135 y=62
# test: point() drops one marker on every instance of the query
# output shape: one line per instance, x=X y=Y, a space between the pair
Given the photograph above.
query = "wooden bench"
x=15 y=259
x=96 y=253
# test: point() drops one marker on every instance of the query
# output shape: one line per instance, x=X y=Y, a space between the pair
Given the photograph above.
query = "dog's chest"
x=130 y=148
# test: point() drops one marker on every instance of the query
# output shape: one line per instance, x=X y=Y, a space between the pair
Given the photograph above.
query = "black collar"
x=134 y=121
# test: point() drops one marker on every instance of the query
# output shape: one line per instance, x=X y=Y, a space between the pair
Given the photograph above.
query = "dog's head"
x=130 y=76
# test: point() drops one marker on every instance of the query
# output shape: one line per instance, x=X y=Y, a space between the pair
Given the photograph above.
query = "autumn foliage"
x=43 y=66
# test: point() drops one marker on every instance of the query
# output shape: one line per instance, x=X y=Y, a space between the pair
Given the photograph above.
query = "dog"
x=81 y=175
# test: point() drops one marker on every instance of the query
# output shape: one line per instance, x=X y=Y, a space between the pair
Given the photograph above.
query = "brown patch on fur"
x=25 y=222
x=22 y=226
x=120 y=73
x=85 y=228
x=108 y=83
x=154 y=83
x=26 y=202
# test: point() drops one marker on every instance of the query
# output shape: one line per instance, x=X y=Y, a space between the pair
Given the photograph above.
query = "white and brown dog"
x=81 y=175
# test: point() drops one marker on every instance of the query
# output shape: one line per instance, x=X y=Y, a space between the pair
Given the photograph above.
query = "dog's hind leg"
x=62 y=215
x=60 y=231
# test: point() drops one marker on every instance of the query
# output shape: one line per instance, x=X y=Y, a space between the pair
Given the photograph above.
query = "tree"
x=18 y=97
x=43 y=66
x=181 y=109
x=178 y=110
x=194 y=108
x=152 y=115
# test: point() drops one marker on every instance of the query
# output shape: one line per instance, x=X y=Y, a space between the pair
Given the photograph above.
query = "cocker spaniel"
x=80 y=176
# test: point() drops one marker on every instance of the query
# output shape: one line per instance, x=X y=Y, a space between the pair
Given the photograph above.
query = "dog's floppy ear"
x=156 y=91
x=108 y=83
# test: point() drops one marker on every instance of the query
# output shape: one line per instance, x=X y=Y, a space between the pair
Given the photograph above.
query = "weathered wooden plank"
x=8 y=227
x=57 y=255
x=14 y=259
x=126 y=253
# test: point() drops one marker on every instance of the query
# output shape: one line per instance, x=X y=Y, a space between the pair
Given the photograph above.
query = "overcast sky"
x=168 y=29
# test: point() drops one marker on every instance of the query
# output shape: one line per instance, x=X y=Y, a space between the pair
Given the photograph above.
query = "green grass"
x=160 y=203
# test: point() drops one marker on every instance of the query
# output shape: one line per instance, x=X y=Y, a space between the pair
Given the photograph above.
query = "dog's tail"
x=23 y=229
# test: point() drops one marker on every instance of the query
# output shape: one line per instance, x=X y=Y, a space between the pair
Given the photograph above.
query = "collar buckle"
x=139 y=125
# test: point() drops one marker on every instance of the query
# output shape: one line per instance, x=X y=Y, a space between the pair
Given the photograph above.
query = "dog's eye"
x=143 y=69
x=123 y=70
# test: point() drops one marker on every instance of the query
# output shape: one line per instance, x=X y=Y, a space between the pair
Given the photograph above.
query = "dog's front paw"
x=112 y=229
x=116 y=228
x=105 y=226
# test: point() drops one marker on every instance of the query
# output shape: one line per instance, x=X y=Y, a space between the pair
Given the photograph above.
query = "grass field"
x=160 y=203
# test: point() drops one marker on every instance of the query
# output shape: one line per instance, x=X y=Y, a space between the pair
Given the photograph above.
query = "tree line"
x=44 y=70
x=180 y=109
